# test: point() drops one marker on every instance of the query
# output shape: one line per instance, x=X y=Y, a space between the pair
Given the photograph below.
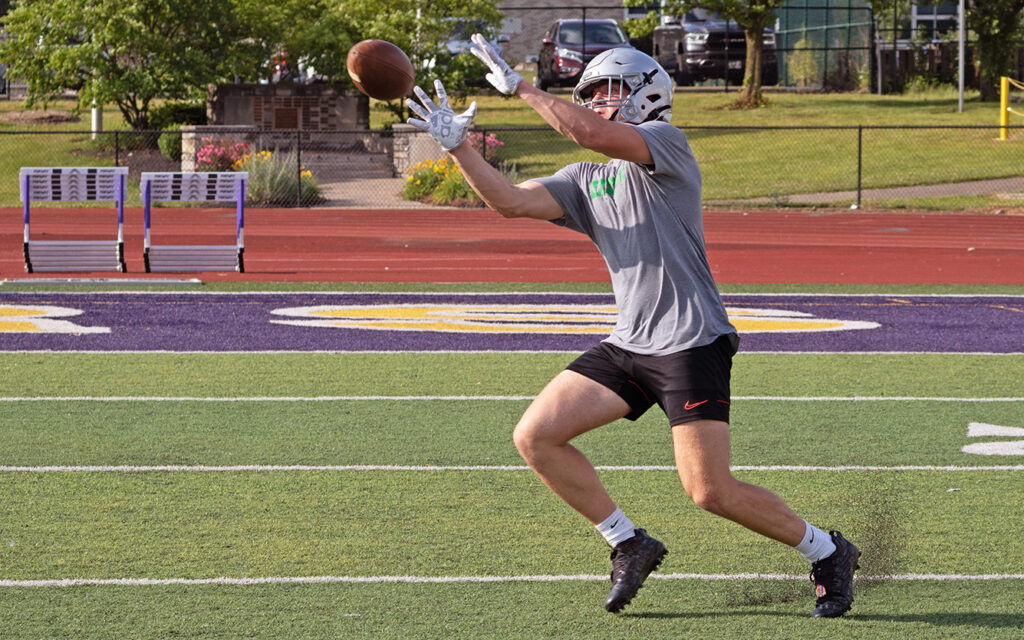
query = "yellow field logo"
x=531 y=318
x=38 y=318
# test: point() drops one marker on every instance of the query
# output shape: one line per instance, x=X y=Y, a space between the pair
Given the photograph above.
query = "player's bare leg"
x=570 y=405
x=702 y=458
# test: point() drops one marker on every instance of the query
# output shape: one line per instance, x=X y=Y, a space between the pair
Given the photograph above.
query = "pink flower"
x=220 y=155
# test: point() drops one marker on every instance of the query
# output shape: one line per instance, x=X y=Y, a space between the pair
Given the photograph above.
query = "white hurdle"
x=208 y=186
x=74 y=184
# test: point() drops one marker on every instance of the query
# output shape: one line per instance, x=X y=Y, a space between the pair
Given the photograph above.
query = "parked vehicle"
x=463 y=28
x=568 y=47
x=701 y=45
x=459 y=42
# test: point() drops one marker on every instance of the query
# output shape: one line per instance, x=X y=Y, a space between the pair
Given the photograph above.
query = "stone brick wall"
x=309 y=143
x=413 y=146
x=310 y=107
x=281 y=117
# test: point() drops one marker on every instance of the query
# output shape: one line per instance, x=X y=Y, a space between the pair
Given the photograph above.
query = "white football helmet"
x=650 y=86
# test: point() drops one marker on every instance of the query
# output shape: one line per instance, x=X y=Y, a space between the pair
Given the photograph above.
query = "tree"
x=132 y=52
x=753 y=16
x=997 y=27
x=994 y=26
x=319 y=33
x=126 y=52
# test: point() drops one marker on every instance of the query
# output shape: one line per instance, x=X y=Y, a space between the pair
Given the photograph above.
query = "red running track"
x=472 y=245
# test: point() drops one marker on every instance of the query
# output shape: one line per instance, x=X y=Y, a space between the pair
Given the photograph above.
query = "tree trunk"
x=751 y=95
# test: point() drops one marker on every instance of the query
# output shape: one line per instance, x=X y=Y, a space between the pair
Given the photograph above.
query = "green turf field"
x=486 y=551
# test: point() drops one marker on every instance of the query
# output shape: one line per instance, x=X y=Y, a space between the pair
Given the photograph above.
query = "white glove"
x=501 y=76
x=440 y=121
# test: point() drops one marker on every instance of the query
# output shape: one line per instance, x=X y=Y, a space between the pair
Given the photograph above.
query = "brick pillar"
x=413 y=146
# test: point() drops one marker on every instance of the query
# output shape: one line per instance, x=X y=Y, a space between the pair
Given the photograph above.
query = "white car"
x=463 y=28
x=458 y=42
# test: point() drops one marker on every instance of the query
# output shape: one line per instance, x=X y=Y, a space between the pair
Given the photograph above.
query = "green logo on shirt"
x=606 y=186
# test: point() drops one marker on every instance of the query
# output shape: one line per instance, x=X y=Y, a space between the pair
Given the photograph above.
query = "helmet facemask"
x=618 y=99
x=645 y=89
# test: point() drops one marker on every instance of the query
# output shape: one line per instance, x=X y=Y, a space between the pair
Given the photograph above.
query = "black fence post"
x=298 y=167
x=728 y=37
x=117 y=148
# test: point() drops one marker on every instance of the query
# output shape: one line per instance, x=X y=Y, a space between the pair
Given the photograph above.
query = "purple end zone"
x=243 y=322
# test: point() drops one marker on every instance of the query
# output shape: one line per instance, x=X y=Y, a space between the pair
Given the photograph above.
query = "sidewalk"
x=386 y=193
x=366 y=193
x=1007 y=187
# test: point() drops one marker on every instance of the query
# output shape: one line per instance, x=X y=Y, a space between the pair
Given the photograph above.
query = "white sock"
x=816 y=544
x=616 y=528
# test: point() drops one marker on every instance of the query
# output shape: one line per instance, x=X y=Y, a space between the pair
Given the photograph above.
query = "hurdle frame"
x=158 y=257
x=47 y=255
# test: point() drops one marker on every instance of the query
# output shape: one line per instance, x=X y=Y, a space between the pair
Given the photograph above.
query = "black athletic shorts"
x=688 y=385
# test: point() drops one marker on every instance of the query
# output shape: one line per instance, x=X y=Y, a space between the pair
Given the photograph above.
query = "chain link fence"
x=948 y=167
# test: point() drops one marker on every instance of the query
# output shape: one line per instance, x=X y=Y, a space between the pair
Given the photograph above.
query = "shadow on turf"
x=876 y=511
x=972 y=619
x=711 y=614
x=969 y=619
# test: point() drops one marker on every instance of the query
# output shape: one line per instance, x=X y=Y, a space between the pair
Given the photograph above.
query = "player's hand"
x=439 y=120
x=501 y=76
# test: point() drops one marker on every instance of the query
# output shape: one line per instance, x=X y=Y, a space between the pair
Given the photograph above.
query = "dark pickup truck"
x=700 y=45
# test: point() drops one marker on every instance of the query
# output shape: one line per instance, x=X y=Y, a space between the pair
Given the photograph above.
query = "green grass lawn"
x=481 y=523
x=788 y=109
x=736 y=163
x=970 y=611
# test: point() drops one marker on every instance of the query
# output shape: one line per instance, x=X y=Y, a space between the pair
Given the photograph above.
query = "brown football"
x=380 y=69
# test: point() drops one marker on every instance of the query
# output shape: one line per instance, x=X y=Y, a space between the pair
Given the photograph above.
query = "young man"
x=673 y=343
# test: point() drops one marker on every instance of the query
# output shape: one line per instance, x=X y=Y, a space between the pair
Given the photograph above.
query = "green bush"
x=273 y=180
x=170 y=143
x=438 y=182
x=804 y=64
x=442 y=183
x=122 y=141
x=170 y=115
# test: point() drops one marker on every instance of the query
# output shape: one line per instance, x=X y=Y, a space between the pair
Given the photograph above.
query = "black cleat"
x=632 y=561
x=833 y=579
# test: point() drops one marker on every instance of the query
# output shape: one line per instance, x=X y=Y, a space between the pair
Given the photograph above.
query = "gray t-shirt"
x=647 y=223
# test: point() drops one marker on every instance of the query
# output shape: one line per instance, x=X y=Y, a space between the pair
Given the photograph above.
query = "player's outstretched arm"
x=525 y=200
x=530 y=199
x=587 y=128
x=581 y=125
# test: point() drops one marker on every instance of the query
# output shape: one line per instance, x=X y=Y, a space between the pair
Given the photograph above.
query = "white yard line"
x=707 y=577
x=497 y=398
x=457 y=468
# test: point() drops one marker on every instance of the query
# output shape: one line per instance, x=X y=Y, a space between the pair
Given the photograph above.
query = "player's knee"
x=525 y=438
x=529 y=439
x=711 y=497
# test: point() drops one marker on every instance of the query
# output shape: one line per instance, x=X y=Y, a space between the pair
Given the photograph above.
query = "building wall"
x=310 y=107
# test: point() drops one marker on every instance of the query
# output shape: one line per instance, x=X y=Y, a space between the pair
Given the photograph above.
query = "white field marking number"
x=39 y=318
x=1002 y=448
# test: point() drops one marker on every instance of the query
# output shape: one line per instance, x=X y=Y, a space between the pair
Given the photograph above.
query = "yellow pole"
x=1004 y=106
